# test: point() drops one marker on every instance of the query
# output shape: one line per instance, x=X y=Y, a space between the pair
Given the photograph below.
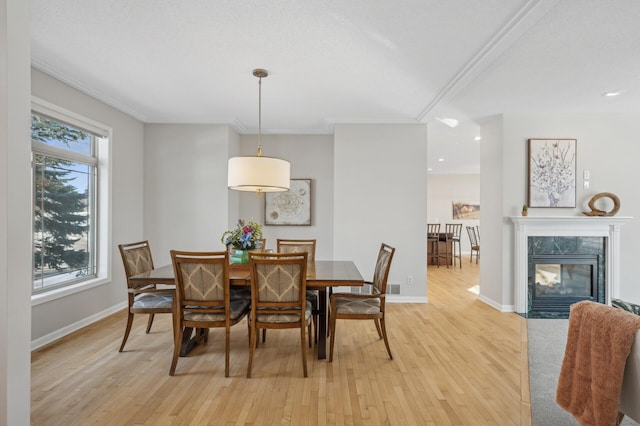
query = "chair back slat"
x=473 y=239
x=136 y=258
x=383 y=265
x=202 y=281
x=278 y=278
x=202 y=278
x=278 y=282
x=453 y=229
x=298 y=246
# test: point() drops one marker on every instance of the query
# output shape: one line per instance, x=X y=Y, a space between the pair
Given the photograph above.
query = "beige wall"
x=380 y=183
x=186 y=200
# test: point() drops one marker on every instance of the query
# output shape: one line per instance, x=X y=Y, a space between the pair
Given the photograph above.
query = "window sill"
x=59 y=293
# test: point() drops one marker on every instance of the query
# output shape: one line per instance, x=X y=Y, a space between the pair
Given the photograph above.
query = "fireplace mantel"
x=565 y=226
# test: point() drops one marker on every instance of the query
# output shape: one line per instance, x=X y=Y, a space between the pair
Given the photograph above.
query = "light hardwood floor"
x=456 y=361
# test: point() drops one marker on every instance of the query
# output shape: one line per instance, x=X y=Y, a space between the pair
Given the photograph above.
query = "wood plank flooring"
x=456 y=361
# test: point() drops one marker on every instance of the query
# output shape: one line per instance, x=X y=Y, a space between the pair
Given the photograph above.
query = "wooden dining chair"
x=352 y=306
x=303 y=246
x=204 y=299
x=278 y=297
x=142 y=299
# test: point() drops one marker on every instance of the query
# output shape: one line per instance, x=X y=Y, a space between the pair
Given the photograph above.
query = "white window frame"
x=103 y=198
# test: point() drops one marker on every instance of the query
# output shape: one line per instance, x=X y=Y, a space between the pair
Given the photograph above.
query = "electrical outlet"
x=409 y=279
x=585 y=184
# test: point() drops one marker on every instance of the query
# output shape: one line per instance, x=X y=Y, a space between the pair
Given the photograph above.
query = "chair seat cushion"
x=153 y=301
x=349 y=306
x=283 y=318
x=238 y=308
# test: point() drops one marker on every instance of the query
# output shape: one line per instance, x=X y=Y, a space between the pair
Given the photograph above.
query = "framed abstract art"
x=292 y=207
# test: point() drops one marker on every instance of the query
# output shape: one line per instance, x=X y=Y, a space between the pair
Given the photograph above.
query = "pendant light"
x=258 y=173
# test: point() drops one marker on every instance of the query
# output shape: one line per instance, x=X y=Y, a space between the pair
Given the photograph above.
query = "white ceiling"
x=344 y=61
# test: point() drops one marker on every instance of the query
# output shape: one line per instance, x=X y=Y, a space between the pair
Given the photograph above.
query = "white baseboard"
x=495 y=305
x=51 y=337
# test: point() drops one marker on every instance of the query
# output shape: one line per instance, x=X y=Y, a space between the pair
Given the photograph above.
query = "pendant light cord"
x=260 y=116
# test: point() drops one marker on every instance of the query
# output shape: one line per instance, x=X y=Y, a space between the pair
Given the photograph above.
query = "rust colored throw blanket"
x=598 y=343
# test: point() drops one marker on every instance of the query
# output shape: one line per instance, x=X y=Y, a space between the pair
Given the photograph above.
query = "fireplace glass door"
x=558 y=281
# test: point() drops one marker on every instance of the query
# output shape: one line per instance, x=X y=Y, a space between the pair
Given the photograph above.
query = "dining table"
x=322 y=275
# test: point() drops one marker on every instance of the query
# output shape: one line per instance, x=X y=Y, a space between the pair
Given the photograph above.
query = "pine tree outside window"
x=65 y=223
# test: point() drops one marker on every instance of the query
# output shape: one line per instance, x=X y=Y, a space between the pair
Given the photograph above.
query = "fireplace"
x=578 y=256
x=558 y=281
x=563 y=271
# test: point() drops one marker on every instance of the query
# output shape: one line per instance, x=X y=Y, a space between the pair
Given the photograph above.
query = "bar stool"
x=433 y=239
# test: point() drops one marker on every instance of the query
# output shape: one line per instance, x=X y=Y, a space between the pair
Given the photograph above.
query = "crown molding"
x=530 y=13
x=53 y=72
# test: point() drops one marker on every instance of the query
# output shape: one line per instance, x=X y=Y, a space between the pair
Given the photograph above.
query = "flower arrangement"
x=244 y=237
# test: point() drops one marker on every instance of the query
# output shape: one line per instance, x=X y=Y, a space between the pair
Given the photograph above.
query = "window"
x=66 y=189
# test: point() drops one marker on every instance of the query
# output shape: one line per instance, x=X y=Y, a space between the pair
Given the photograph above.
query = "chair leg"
x=227 y=343
x=126 y=331
x=252 y=347
x=384 y=334
x=176 y=350
x=304 y=349
x=249 y=330
x=456 y=242
x=332 y=332
x=310 y=335
x=149 y=323
x=316 y=312
x=375 y=321
x=447 y=254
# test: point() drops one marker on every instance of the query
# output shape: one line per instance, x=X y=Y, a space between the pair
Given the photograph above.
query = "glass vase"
x=239 y=257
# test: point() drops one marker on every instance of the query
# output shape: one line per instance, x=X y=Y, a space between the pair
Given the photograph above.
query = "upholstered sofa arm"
x=630 y=394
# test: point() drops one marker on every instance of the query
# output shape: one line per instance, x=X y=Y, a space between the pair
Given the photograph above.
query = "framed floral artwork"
x=292 y=207
x=552 y=173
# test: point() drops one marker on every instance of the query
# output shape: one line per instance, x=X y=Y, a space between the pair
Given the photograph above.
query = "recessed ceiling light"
x=477 y=138
x=612 y=93
x=440 y=160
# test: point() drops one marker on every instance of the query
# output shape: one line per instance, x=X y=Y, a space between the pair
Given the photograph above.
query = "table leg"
x=188 y=341
x=322 y=323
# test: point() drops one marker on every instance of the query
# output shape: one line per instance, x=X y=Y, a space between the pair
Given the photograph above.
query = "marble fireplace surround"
x=565 y=226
